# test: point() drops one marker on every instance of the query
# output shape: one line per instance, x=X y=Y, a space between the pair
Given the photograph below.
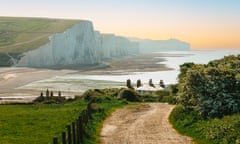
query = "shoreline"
x=15 y=81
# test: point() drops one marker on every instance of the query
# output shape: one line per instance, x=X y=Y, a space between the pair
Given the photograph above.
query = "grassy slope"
x=18 y=35
x=36 y=123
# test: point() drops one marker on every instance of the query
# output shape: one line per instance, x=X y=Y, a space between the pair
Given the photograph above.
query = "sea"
x=172 y=60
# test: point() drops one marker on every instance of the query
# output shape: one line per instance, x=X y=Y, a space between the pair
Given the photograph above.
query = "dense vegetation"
x=209 y=101
x=18 y=35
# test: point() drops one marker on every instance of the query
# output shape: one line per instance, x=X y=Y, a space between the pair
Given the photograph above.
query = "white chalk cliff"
x=78 y=45
x=82 y=45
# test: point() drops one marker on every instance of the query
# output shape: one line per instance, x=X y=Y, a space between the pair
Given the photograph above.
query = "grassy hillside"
x=18 y=35
x=23 y=34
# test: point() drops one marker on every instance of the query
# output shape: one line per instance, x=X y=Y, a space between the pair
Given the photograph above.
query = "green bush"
x=150 y=98
x=184 y=116
x=213 y=89
x=97 y=95
x=129 y=95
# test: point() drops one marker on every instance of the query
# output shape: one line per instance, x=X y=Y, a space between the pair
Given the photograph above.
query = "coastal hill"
x=43 y=42
x=18 y=35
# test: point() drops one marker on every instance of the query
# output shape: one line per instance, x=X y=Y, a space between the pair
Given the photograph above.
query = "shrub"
x=163 y=93
x=184 y=116
x=150 y=98
x=129 y=95
x=213 y=88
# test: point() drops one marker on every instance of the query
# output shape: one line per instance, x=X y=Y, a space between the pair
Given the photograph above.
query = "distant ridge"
x=147 y=45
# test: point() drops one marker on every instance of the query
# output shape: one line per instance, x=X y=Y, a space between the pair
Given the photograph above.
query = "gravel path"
x=143 y=124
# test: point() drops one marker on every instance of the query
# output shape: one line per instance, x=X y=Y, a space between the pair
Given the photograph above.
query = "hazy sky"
x=203 y=23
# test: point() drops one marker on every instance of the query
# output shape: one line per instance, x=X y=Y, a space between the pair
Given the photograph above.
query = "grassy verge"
x=211 y=131
x=95 y=124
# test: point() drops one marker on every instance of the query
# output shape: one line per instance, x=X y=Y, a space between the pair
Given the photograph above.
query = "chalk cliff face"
x=82 y=45
x=116 y=46
x=78 y=45
x=146 y=46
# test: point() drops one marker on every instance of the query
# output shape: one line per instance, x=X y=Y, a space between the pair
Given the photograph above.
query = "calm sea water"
x=169 y=77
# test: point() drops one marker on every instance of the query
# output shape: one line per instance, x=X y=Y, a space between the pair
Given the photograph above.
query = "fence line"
x=75 y=131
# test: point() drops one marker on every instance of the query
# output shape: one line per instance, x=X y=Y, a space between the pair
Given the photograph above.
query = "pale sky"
x=202 y=23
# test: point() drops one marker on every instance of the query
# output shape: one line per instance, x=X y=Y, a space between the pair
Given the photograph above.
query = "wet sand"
x=129 y=64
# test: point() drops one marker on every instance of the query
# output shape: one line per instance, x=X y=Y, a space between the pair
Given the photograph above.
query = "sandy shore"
x=129 y=64
x=13 y=80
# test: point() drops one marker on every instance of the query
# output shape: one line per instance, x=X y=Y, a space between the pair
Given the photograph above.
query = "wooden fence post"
x=55 y=140
x=80 y=121
x=74 y=132
x=77 y=132
x=64 y=138
x=69 y=134
x=84 y=117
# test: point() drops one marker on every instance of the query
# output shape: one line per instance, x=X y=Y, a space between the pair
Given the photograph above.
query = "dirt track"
x=144 y=124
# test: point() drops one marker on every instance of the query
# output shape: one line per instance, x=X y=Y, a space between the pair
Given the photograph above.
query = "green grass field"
x=18 y=35
x=36 y=123
x=39 y=123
